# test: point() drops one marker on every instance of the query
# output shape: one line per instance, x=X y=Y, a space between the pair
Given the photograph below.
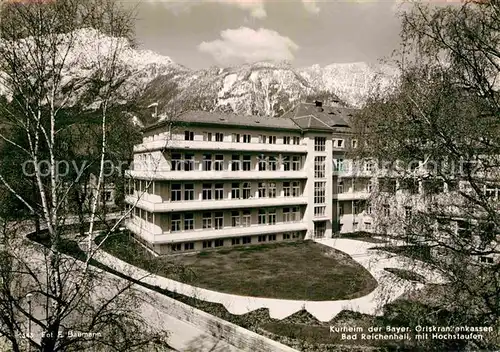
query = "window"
x=286 y=189
x=319 y=192
x=247 y=162
x=295 y=189
x=262 y=189
x=273 y=163
x=207 y=191
x=369 y=209
x=295 y=213
x=408 y=212
x=487 y=260
x=235 y=191
x=272 y=189
x=176 y=247
x=247 y=138
x=219 y=162
x=338 y=143
x=189 y=191
x=368 y=226
x=262 y=216
x=188 y=221
x=207 y=162
x=107 y=196
x=176 y=162
x=188 y=135
x=272 y=237
x=188 y=246
x=246 y=218
x=261 y=238
x=235 y=241
x=262 y=162
x=246 y=190
x=340 y=187
x=207 y=220
x=286 y=236
x=369 y=165
x=247 y=240
x=386 y=210
x=175 y=192
x=272 y=139
x=319 y=144
x=339 y=165
x=235 y=219
x=262 y=138
x=354 y=143
x=235 y=163
x=207 y=136
x=219 y=137
x=218 y=243
x=319 y=167
x=271 y=213
x=286 y=163
x=296 y=140
x=219 y=220
x=319 y=211
x=175 y=223
x=188 y=162
x=287 y=217
x=219 y=191
x=207 y=244
x=286 y=140
x=296 y=163
x=235 y=138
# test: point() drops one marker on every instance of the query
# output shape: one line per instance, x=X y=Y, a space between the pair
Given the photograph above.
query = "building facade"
x=210 y=180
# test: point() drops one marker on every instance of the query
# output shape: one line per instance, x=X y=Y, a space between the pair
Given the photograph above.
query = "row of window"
x=238 y=162
x=241 y=138
x=239 y=190
x=235 y=241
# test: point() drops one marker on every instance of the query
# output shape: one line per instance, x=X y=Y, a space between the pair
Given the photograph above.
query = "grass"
x=406 y=274
x=291 y=270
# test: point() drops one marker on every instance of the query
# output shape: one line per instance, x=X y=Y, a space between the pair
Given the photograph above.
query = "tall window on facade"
x=188 y=221
x=175 y=223
x=272 y=189
x=286 y=163
x=188 y=135
x=219 y=162
x=319 y=167
x=207 y=220
x=235 y=137
x=207 y=191
x=189 y=191
x=262 y=216
x=286 y=140
x=235 y=219
x=319 y=211
x=295 y=189
x=287 y=190
x=219 y=220
x=188 y=162
x=262 y=138
x=235 y=162
x=272 y=139
x=176 y=162
x=319 y=192
x=247 y=138
x=262 y=189
x=273 y=163
x=247 y=221
x=235 y=190
x=296 y=163
x=219 y=137
x=262 y=162
x=176 y=192
x=247 y=162
x=271 y=213
x=207 y=136
x=319 y=144
x=386 y=210
x=296 y=140
x=207 y=162
x=247 y=188
x=219 y=191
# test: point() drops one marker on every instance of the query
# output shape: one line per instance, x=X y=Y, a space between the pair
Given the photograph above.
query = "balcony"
x=216 y=175
x=223 y=146
x=357 y=195
x=199 y=235
x=215 y=204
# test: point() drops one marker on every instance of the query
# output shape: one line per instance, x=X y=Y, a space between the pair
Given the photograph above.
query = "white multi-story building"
x=209 y=180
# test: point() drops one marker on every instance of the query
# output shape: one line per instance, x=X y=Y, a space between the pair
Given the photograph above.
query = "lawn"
x=361 y=236
x=298 y=271
x=421 y=253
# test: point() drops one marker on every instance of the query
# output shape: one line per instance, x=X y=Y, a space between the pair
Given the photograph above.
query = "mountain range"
x=262 y=88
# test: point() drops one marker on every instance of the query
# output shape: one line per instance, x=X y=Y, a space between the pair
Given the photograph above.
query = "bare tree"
x=436 y=139
x=59 y=60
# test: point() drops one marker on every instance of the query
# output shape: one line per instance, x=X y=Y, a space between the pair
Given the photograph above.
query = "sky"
x=203 y=33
